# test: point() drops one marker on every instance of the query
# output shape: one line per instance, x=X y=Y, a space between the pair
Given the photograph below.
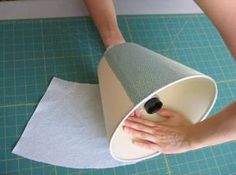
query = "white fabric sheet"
x=67 y=128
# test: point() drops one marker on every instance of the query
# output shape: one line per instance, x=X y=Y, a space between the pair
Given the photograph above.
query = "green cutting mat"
x=33 y=51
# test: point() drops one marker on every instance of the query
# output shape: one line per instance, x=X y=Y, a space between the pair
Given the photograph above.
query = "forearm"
x=223 y=15
x=103 y=14
x=215 y=130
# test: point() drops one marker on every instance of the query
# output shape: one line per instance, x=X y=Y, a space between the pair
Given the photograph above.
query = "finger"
x=132 y=114
x=158 y=130
x=147 y=145
x=139 y=126
x=137 y=113
x=168 y=113
x=142 y=121
x=140 y=134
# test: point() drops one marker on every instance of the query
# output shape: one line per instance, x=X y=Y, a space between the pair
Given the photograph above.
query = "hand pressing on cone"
x=168 y=136
x=176 y=134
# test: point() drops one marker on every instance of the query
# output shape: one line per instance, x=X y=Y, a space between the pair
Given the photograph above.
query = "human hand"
x=169 y=136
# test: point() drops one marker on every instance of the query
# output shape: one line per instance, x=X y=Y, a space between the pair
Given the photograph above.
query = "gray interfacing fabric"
x=138 y=70
x=67 y=128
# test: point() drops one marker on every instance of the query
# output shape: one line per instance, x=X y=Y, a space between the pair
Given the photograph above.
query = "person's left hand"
x=168 y=136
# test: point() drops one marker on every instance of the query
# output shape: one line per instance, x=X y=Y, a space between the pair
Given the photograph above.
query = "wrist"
x=200 y=134
x=194 y=140
x=112 y=38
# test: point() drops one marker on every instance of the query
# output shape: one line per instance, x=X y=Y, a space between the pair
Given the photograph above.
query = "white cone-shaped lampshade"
x=129 y=75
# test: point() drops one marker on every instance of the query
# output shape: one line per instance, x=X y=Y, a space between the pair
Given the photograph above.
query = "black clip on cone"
x=153 y=105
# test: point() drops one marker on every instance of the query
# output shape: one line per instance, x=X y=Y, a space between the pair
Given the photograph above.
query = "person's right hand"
x=168 y=136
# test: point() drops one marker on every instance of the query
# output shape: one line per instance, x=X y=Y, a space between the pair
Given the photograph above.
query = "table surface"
x=33 y=51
